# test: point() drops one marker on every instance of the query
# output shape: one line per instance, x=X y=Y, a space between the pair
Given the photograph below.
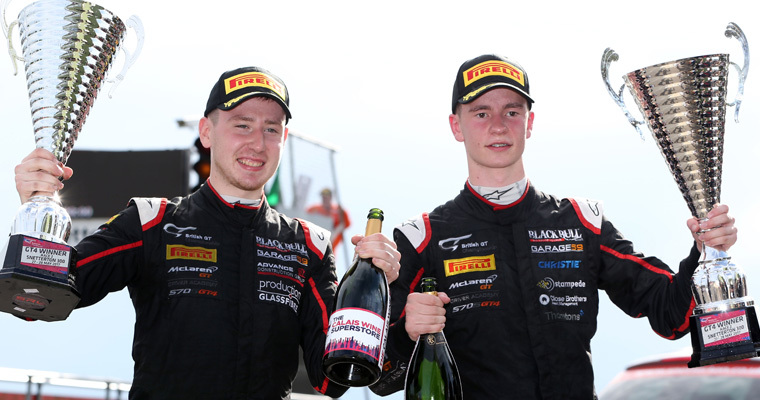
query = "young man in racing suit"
x=224 y=287
x=521 y=269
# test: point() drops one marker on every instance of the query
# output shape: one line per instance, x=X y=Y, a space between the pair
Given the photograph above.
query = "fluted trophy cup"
x=68 y=47
x=684 y=105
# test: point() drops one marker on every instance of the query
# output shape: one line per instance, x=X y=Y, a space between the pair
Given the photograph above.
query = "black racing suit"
x=523 y=281
x=224 y=295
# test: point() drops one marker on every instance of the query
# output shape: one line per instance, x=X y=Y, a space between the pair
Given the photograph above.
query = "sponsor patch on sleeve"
x=317 y=238
x=417 y=231
x=151 y=210
x=590 y=213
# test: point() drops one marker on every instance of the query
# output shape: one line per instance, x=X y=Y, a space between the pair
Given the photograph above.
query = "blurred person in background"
x=339 y=216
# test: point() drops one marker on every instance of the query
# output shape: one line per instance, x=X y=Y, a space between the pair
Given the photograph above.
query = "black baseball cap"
x=238 y=85
x=483 y=73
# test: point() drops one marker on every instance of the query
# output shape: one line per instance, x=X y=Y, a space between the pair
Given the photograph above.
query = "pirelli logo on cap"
x=176 y=251
x=491 y=68
x=469 y=264
x=250 y=79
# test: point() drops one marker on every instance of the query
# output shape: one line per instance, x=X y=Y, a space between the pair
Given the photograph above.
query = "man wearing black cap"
x=225 y=288
x=518 y=270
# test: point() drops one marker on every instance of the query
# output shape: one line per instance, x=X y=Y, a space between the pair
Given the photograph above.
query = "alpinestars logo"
x=410 y=223
x=496 y=194
x=594 y=207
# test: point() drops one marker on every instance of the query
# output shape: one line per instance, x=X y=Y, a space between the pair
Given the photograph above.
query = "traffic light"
x=202 y=167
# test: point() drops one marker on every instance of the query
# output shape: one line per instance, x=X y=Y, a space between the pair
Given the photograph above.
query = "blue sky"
x=375 y=80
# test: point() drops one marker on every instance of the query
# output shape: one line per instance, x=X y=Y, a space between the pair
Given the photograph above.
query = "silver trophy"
x=684 y=105
x=68 y=47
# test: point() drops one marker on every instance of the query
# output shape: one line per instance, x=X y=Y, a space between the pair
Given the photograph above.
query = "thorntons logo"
x=560 y=316
x=176 y=251
x=555 y=235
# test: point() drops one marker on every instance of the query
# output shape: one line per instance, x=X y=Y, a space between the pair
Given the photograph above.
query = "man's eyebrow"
x=515 y=104
x=479 y=107
x=486 y=107
x=242 y=118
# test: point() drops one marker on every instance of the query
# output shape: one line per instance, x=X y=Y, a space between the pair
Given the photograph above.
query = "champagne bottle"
x=358 y=330
x=432 y=373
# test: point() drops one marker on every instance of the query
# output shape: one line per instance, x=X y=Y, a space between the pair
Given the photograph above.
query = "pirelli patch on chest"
x=177 y=251
x=469 y=264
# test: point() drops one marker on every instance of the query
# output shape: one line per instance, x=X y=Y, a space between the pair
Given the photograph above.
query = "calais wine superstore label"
x=357 y=329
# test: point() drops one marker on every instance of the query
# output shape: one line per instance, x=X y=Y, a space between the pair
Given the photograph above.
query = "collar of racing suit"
x=504 y=195
x=234 y=213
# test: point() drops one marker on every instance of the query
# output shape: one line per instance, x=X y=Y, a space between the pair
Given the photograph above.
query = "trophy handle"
x=607 y=58
x=8 y=32
x=733 y=30
x=135 y=23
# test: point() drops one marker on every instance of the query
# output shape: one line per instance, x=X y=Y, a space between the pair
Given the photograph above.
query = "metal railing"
x=113 y=389
x=36 y=380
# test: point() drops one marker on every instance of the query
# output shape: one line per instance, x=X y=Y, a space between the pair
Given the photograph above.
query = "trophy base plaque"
x=722 y=336
x=37 y=281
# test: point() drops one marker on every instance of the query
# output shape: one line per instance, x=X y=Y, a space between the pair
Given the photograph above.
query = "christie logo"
x=175 y=251
x=469 y=264
x=564 y=264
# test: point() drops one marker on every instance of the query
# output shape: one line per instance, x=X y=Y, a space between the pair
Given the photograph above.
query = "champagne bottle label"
x=359 y=330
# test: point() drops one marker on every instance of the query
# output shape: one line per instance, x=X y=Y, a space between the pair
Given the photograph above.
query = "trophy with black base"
x=684 y=105
x=68 y=46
